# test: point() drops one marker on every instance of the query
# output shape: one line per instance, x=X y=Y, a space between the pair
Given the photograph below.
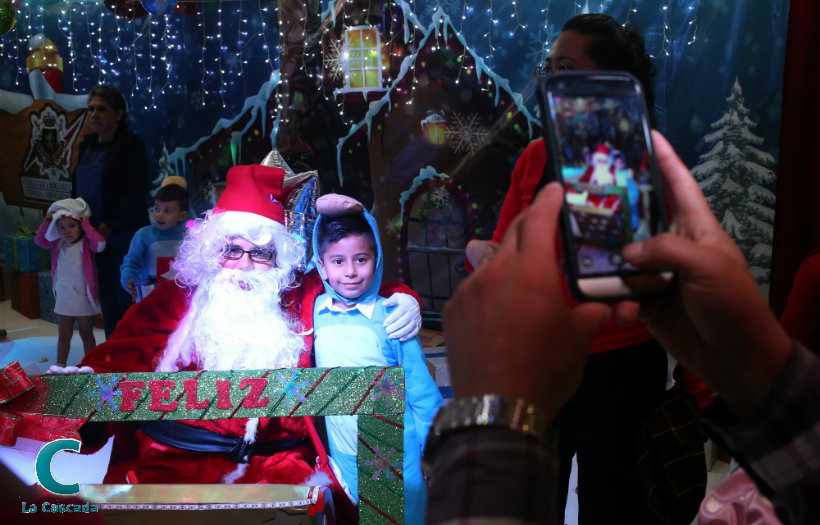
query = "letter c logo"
x=42 y=466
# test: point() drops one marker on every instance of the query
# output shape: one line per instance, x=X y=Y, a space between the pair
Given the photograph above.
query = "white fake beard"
x=602 y=175
x=235 y=322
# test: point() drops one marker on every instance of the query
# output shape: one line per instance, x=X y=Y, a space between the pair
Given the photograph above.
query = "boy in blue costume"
x=160 y=239
x=348 y=331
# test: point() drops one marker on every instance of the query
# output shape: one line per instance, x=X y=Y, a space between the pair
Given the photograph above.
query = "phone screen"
x=607 y=169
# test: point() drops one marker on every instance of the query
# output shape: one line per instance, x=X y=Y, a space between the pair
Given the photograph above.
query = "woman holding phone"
x=626 y=369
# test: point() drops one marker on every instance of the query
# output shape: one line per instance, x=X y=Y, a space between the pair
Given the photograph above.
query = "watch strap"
x=486 y=411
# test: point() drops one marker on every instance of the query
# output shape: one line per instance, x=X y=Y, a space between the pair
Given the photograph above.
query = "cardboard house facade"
x=439 y=146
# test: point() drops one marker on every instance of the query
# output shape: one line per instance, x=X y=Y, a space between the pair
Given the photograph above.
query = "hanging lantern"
x=432 y=127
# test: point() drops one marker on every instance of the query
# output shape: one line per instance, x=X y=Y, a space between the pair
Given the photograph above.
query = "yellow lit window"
x=363 y=64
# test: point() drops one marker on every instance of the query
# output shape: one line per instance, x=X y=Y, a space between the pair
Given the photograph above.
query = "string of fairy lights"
x=206 y=55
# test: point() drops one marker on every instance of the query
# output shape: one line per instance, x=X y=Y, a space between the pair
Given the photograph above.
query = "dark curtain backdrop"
x=797 y=212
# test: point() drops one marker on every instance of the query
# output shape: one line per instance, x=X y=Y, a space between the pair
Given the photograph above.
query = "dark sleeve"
x=492 y=475
x=779 y=444
x=129 y=211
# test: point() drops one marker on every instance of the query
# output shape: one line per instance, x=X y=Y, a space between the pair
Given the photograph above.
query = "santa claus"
x=600 y=171
x=236 y=304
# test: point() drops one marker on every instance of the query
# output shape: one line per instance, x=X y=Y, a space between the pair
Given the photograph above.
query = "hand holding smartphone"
x=597 y=136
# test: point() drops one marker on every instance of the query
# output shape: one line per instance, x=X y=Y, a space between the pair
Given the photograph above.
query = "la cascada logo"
x=42 y=467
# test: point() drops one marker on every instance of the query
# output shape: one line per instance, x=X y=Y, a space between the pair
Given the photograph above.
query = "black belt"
x=200 y=440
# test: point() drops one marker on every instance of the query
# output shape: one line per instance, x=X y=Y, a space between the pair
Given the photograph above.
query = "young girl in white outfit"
x=73 y=243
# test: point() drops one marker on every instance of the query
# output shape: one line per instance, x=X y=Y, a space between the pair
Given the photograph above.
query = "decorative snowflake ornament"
x=197 y=99
x=106 y=393
x=384 y=464
x=334 y=59
x=290 y=388
x=387 y=389
x=439 y=197
x=465 y=134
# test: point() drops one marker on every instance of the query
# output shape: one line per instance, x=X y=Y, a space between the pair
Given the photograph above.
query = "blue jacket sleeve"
x=134 y=263
x=423 y=396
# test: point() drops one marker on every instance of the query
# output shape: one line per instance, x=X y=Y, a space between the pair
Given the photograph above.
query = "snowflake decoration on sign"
x=439 y=197
x=465 y=133
x=290 y=388
x=106 y=393
x=388 y=389
x=384 y=464
x=197 y=99
x=334 y=59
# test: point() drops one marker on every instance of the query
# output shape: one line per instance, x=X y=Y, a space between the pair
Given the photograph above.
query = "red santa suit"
x=136 y=345
x=261 y=450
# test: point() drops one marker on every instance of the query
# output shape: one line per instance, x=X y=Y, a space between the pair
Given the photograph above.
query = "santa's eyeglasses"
x=257 y=254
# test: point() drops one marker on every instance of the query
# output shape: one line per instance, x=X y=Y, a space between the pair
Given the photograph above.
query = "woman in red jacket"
x=627 y=368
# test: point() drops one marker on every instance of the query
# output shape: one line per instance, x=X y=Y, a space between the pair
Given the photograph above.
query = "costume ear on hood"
x=335 y=205
x=74 y=208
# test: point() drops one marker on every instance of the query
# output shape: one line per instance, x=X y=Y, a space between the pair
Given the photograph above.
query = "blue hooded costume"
x=357 y=338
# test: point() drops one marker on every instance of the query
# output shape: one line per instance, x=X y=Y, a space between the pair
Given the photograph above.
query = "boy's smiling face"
x=348 y=265
x=167 y=214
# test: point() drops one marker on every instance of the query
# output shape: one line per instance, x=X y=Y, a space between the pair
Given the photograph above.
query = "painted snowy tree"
x=166 y=169
x=737 y=178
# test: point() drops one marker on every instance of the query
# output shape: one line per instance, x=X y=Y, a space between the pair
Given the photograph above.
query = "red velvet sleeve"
x=141 y=333
x=524 y=179
x=800 y=317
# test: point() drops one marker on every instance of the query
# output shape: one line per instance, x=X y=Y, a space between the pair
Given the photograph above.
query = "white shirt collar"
x=366 y=309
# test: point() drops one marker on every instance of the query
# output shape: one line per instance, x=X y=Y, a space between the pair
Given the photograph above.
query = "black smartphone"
x=599 y=146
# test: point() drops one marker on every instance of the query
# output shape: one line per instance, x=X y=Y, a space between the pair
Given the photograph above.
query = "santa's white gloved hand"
x=404 y=322
x=69 y=370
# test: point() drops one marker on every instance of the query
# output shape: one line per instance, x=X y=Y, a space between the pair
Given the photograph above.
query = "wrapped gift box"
x=23 y=255
x=46 y=296
x=25 y=297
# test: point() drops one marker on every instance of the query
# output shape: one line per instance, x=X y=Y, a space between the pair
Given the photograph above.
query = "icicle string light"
x=665 y=36
x=694 y=24
x=100 y=47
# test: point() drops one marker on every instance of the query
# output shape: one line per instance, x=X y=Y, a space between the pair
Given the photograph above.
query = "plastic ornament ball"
x=7 y=17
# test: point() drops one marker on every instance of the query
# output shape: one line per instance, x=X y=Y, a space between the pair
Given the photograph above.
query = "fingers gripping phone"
x=597 y=135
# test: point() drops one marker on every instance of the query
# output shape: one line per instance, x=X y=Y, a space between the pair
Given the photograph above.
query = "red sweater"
x=525 y=177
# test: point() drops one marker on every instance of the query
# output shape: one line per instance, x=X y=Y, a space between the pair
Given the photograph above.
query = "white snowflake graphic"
x=537 y=51
x=453 y=8
x=439 y=196
x=538 y=44
x=465 y=133
x=197 y=99
x=334 y=59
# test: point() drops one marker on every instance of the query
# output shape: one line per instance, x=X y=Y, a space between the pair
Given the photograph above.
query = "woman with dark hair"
x=112 y=177
x=626 y=370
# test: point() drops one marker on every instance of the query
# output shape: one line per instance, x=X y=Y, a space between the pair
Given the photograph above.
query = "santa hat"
x=254 y=192
x=74 y=208
x=602 y=150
